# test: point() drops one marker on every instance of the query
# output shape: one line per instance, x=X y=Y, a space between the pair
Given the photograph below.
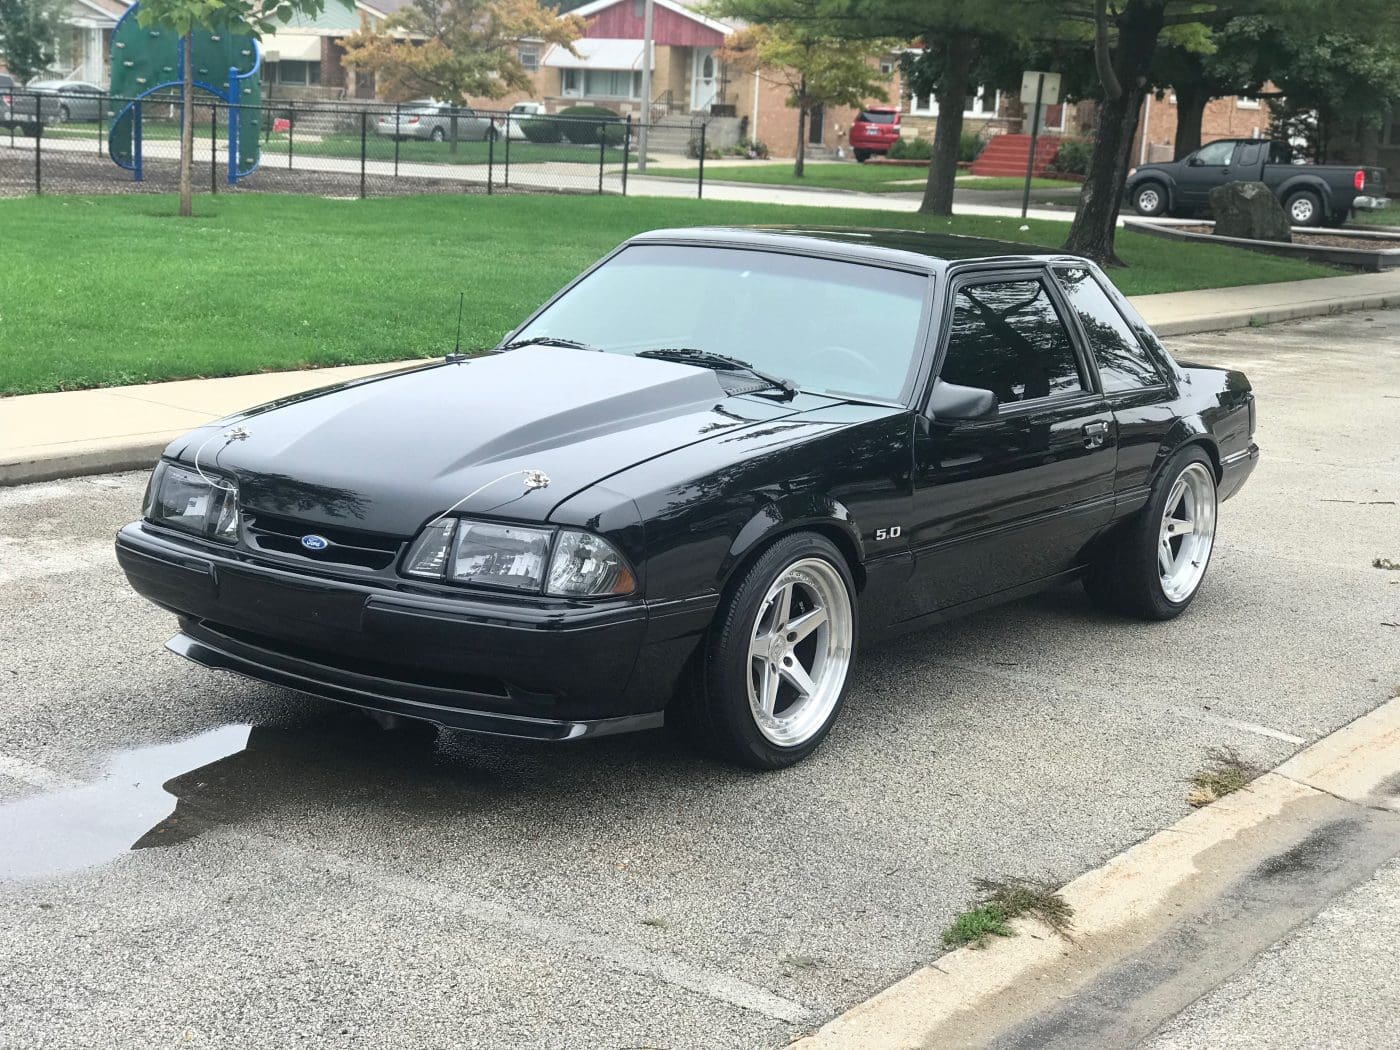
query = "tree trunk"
x=947 y=134
x=799 y=163
x=1190 y=113
x=187 y=131
x=1095 y=223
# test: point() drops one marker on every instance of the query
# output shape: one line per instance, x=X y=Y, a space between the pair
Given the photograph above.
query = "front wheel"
x=1153 y=565
x=1150 y=199
x=437 y=135
x=773 y=671
x=63 y=115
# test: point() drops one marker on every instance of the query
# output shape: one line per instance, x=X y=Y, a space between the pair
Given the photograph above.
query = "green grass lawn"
x=1384 y=217
x=109 y=290
x=867 y=178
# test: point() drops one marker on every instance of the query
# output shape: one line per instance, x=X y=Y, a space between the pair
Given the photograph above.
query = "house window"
x=982 y=105
x=298 y=72
x=603 y=83
x=529 y=58
x=886 y=66
x=1246 y=103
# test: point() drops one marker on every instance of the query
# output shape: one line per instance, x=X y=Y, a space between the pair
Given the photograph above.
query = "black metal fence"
x=61 y=144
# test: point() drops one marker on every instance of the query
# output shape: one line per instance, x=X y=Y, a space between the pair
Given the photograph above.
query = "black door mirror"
x=1194 y=161
x=950 y=403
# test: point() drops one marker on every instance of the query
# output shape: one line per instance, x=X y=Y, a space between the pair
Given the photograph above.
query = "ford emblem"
x=315 y=543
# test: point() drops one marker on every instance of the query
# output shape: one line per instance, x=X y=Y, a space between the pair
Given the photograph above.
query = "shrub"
x=911 y=149
x=584 y=125
x=1073 y=156
x=540 y=129
x=969 y=146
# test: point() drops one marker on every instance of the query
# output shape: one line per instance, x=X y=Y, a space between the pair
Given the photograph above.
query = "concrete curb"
x=105 y=458
x=1137 y=890
x=1227 y=320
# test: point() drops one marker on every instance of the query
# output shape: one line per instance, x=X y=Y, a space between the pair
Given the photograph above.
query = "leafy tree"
x=183 y=17
x=29 y=35
x=452 y=49
x=1126 y=36
x=817 y=69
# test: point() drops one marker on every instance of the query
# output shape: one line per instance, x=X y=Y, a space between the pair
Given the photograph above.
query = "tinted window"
x=827 y=325
x=875 y=118
x=1249 y=153
x=1007 y=338
x=1123 y=364
x=1216 y=153
x=1279 y=153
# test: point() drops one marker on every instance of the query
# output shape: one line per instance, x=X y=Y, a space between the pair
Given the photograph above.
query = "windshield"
x=829 y=326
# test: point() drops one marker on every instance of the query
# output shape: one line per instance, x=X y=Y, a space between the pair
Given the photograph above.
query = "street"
x=192 y=859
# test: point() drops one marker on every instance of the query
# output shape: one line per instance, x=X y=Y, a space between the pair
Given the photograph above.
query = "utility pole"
x=644 y=126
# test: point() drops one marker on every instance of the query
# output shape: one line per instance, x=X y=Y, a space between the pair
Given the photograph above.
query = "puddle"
x=168 y=793
x=128 y=808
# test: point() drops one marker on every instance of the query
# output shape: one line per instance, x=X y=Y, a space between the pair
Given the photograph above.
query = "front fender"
x=792 y=513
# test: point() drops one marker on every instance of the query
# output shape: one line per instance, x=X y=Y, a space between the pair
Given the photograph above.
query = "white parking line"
x=1188 y=713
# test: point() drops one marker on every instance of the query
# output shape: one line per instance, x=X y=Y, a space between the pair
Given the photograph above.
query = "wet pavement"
x=187 y=858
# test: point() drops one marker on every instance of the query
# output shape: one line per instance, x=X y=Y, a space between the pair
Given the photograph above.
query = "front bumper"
x=1367 y=203
x=555 y=672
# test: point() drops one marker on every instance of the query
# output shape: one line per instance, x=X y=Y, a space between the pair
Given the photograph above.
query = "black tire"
x=437 y=135
x=1123 y=575
x=1150 y=198
x=862 y=155
x=489 y=134
x=712 y=708
x=63 y=115
x=1303 y=208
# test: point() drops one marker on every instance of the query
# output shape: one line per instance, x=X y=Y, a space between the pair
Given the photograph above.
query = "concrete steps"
x=1007 y=155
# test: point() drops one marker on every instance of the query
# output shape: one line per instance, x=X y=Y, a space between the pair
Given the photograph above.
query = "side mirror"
x=1194 y=161
x=950 y=403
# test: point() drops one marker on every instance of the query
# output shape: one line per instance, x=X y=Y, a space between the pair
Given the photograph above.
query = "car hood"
x=389 y=453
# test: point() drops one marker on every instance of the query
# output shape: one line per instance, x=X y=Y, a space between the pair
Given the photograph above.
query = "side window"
x=1279 y=153
x=1249 y=153
x=1123 y=363
x=1217 y=153
x=1007 y=338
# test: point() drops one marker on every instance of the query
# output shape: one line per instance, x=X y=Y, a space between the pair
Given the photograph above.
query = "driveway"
x=306 y=878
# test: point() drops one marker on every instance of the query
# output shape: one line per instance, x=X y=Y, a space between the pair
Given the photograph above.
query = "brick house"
x=1232 y=117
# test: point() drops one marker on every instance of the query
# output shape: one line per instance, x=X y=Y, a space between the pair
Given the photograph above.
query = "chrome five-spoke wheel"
x=799 y=652
x=1187 y=532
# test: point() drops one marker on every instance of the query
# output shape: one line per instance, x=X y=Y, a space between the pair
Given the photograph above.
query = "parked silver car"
x=65 y=99
x=426 y=118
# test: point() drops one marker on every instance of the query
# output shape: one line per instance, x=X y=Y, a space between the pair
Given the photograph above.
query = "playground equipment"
x=146 y=60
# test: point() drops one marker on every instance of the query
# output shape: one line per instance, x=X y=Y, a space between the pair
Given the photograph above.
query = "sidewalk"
x=45 y=436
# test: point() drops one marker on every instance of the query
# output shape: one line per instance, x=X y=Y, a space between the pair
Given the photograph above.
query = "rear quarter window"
x=1123 y=363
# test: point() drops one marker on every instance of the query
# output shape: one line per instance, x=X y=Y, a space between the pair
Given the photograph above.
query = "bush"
x=969 y=146
x=911 y=149
x=541 y=129
x=1073 y=156
x=585 y=125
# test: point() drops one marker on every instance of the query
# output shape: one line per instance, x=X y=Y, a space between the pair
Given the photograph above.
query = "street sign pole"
x=1035 y=132
x=645 y=125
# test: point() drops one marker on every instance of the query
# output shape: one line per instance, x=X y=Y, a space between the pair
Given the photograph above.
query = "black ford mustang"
x=687 y=486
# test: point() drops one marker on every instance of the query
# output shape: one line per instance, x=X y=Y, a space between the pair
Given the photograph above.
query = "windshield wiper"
x=547 y=340
x=687 y=355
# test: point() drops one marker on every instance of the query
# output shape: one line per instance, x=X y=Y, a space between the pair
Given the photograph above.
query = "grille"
x=269 y=534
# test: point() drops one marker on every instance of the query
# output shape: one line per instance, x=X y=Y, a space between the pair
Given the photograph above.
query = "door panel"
x=1006 y=501
x=1195 y=181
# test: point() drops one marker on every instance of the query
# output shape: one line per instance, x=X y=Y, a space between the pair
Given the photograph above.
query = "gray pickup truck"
x=1311 y=194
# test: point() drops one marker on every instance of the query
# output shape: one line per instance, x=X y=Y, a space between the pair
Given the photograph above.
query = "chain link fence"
x=66 y=144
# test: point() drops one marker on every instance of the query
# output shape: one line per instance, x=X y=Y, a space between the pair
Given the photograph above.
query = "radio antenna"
x=457 y=354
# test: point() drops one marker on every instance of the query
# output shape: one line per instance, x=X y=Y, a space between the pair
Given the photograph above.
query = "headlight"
x=562 y=563
x=182 y=499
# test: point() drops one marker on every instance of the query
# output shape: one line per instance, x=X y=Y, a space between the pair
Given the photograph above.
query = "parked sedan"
x=693 y=483
x=433 y=121
x=68 y=100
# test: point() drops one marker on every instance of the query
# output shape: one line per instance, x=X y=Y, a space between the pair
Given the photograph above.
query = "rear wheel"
x=1303 y=208
x=438 y=135
x=773 y=671
x=63 y=115
x=1154 y=564
x=862 y=155
x=1150 y=199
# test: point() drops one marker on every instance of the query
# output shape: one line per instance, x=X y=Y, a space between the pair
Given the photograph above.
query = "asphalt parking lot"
x=302 y=877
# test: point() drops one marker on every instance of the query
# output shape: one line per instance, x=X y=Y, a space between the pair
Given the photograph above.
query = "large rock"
x=1249 y=209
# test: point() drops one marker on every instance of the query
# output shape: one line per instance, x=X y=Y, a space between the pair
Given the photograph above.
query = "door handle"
x=1095 y=433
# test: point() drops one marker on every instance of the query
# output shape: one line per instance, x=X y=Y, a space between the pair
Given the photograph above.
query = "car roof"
x=911 y=249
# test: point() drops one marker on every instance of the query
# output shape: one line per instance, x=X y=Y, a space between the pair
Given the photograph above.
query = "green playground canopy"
x=147 y=59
